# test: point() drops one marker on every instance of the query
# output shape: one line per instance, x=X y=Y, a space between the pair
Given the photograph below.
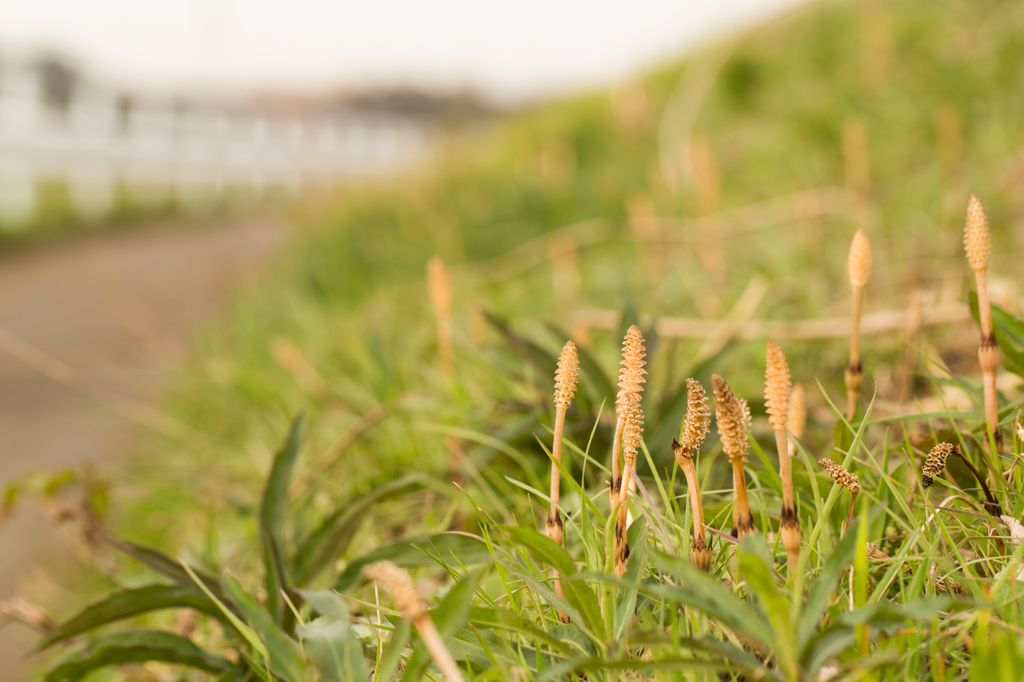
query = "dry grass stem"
x=440 y=291
x=631 y=419
x=859 y=270
x=408 y=601
x=776 y=397
x=733 y=417
x=946 y=585
x=946 y=312
x=566 y=377
x=875 y=555
x=978 y=247
x=695 y=430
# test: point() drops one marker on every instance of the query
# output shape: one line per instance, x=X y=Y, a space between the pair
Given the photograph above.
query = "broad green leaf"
x=326 y=603
x=636 y=537
x=392 y=655
x=577 y=593
x=128 y=603
x=575 y=639
x=449 y=617
x=706 y=594
x=335 y=652
x=758 y=575
x=331 y=539
x=821 y=590
x=170 y=567
x=273 y=508
x=244 y=630
x=488 y=649
x=419 y=550
x=282 y=650
x=510 y=621
x=133 y=646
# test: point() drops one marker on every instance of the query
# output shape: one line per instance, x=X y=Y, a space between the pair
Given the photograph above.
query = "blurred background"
x=215 y=214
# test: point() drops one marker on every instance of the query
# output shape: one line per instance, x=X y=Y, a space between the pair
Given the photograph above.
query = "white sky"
x=507 y=50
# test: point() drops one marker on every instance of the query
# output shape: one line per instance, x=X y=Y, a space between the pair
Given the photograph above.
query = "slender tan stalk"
x=847 y=480
x=978 y=246
x=733 y=417
x=440 y=291
x=859 y=269
x=797 y=421
x=776 y=397
x=631 y=417
x=565 y=389
x=408 y=601
x=695 y=430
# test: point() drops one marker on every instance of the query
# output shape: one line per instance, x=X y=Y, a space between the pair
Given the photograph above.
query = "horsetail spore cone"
x=408 y=601
x=630 y=425
x=935 y=463
x=629 y=422
x=859 y=270
x=733 y=417
x=846 y=479
x=566 y=377
x=978 y=247
x=840 y=475
x=776 y=397
x=695 y=429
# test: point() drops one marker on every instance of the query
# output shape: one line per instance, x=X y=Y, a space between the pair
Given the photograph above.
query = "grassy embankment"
x=727 y=188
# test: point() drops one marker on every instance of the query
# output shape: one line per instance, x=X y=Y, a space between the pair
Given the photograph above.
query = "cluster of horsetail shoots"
x=408 y=601
x=733 y=418
x=695 y=429
x=776 y=398
x=847 y=480
x=629 y=426
x=566 y=377
x=787 y=413
x=978 y=247
x=859 y=270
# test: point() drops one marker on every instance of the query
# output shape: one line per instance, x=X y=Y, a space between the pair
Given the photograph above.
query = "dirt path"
x=87 y=333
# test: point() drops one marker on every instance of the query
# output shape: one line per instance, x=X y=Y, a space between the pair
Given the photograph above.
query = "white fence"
x=97 y=146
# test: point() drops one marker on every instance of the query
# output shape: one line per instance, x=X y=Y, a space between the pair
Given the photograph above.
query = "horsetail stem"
x=566 y=377
x=776 y=395
x=628 y=429
x=440 y=292
x=695 y=429
x=859 y=270
x=978 y=248
x=408 y=601
x=733 y=419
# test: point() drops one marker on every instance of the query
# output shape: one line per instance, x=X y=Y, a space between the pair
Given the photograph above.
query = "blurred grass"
x=343 y=326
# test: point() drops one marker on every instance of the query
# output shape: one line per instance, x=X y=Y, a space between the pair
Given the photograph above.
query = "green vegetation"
x=662 y=203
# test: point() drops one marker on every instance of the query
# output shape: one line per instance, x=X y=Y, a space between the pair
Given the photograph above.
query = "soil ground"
x=88 y=332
